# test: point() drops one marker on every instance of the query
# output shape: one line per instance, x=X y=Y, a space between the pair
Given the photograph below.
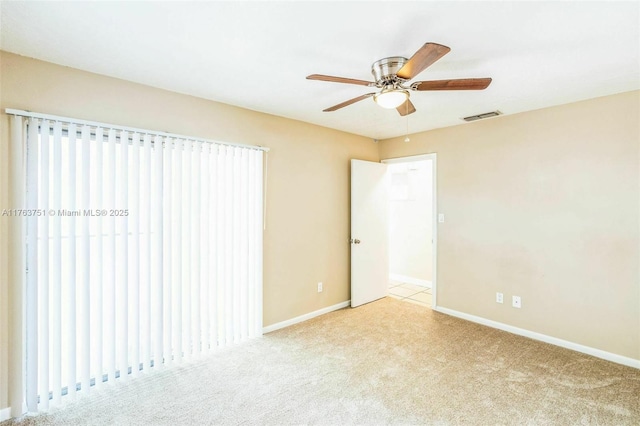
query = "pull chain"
x=407 y=138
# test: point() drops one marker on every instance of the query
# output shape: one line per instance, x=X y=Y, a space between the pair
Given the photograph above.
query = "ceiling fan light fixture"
x=391 y=98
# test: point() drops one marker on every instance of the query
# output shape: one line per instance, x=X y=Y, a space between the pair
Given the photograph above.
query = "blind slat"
x=84 y=265
x=244 y=246
x=257 y=224
x=252 y=194
x=196 y=250
x=187 y=230
x=177 y=252
x=212 y=165
x=167 y=253
x=157 y=259
x=43 y=302
x=205 y=212
x=97 y=260
x=134 y=222
x=71 y=271
x=31 y=385
x=145 y=291
x=236 y=258
x=110 y=263
x=56 y=269
x=228 y=244
x=122 y=264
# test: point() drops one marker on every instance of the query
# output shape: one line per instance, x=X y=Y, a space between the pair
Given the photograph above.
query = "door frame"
x=434 y=218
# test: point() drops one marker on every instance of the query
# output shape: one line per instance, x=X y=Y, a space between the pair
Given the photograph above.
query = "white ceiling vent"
x=481 y=116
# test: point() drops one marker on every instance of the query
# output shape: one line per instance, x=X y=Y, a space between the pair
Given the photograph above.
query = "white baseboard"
x=292 y=321
x=5 y=414
x=410 y=280
x=619 y=359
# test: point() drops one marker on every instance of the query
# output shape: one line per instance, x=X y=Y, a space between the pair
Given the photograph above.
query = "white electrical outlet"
x=516 y=302
x=499 y=298
x=319 y=287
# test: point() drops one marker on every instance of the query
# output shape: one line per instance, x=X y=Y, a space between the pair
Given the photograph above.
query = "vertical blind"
x=142 y=249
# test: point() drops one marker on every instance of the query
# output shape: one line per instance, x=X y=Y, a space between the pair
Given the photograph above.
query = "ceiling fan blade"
x=340 y=79
x=349 y=102
x=423 y=58
x=406 y=108
x=459 y=84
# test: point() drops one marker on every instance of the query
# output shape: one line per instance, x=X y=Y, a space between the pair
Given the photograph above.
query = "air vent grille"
x=481 y=116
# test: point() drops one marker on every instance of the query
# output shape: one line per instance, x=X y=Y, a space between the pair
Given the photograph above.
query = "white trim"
x=434 y=225
x=419 y=157
x=16 y=272
x=5 y=414
x=22 y=113
x=434 y=229
x=296 y=320
x=410 y=280
x=619 y=359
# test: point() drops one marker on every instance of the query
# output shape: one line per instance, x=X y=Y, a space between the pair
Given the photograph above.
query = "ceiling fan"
x=392 y=75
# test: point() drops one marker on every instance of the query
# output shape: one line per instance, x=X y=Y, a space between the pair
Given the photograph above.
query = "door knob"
x=356 y=241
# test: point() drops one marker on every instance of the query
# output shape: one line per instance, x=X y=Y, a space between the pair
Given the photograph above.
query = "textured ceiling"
x=256 y=55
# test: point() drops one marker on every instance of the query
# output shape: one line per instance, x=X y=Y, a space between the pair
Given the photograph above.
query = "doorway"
x=412 y=229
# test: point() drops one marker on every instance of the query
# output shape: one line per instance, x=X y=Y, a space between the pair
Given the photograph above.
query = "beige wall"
x=306 y=240
x=543 y=205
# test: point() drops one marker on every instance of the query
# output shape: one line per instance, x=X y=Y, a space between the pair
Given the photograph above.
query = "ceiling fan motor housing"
x=384 y=71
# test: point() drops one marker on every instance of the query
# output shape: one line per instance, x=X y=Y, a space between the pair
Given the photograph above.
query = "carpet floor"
x=387 y=362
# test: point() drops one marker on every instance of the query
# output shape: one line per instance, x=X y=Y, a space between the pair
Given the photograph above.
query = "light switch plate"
x=441 y=217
